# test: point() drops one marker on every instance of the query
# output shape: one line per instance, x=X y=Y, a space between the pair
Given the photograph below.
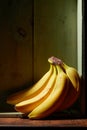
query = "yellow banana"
x=57 y=90
x=55 y=98
x=29 y=104
x=31 y=91
x=74 y=83
x=73 y=76
x=70 y=98
x=74 y=87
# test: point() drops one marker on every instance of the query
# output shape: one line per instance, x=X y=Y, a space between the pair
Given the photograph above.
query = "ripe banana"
x=29 y=104
x=31 y=91
x=56 y=91
x=70 y=98
x=74 y=89
x=74 y=85
x=73 y=76
x=55 y=98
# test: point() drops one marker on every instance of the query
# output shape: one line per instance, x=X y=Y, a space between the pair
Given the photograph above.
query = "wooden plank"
x=55 y=33
x=18 y=122
x=16 y=45
x=16 y=69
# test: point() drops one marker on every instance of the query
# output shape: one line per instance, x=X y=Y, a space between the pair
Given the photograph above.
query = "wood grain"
x=19 y=122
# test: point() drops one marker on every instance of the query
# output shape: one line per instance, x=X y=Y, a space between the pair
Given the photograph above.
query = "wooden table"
x=20 y=122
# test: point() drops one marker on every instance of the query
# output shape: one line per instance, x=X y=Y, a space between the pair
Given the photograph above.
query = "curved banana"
x=74 y=87
x=73 y=76
x=29 y=104
x=74 y=83
x=55 y=98
x=70 y=99
x=31 y=91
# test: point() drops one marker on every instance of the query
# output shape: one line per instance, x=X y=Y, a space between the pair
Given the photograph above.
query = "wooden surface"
x=20 y=122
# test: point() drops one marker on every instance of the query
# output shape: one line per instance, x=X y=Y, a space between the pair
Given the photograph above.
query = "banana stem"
x=65 y=66
x=55 y=61
x=59 y=69
x=51 y=66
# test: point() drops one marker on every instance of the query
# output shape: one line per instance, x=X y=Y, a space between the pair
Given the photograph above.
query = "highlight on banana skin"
x=57 y=90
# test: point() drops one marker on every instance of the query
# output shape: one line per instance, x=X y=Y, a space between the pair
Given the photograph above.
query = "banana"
x=70 y=98
x=73 y=76
x=55 y=98
x=74 y=87
x=56 y=91
x=74 y=83
x=31 y=91
x=29 y=104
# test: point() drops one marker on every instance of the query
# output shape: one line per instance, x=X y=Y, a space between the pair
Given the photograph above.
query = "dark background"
x=84 y=48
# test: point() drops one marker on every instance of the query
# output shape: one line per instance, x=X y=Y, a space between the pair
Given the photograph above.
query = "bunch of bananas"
x=57 y=90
